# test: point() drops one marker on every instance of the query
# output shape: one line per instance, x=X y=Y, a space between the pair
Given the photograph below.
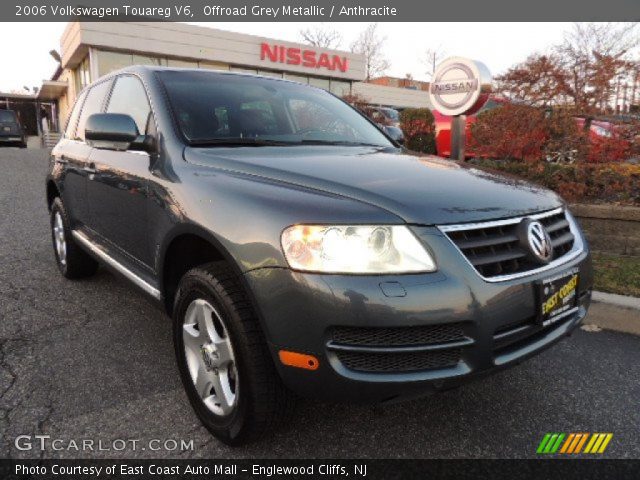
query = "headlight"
x=355 y=249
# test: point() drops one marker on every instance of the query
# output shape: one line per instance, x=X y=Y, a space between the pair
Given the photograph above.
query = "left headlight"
x=360 y=249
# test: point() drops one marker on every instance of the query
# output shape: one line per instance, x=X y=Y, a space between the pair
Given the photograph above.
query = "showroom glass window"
x=82 y=75
x=129 y=97
x=93 y=104
x=111 y=61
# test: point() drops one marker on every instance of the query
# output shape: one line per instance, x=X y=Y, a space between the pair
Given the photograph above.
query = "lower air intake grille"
x=400 y=336
x=398 y=362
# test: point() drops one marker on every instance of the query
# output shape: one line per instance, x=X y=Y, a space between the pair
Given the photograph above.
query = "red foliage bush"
x=513 y=132
x=591 y=182
x=604 y=149
x=520 y=132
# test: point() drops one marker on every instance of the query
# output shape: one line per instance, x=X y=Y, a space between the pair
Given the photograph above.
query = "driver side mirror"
x=114 y=131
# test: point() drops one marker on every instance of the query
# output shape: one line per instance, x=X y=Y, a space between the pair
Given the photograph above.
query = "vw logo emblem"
x=539 y=242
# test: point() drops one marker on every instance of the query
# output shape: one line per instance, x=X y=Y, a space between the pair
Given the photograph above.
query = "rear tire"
x=228 y=373
x=72 y=261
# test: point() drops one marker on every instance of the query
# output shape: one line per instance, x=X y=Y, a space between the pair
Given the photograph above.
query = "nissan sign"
x=460 y=86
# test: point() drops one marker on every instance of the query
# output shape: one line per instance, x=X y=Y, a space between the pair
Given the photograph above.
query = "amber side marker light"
x=299 y=360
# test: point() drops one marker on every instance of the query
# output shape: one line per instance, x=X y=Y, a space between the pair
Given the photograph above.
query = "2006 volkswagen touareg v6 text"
x=298 y=249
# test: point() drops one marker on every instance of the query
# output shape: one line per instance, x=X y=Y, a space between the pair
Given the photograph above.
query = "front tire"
x=223 y=358
x=72 y=261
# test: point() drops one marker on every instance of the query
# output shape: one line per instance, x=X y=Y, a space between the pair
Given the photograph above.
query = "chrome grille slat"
x=494 y=250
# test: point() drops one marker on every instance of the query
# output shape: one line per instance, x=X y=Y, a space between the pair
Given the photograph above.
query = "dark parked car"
x=296 y=248
x=11 y=132
x=395 y=133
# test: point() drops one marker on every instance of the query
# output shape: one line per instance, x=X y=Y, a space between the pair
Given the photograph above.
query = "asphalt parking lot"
x=94 y=360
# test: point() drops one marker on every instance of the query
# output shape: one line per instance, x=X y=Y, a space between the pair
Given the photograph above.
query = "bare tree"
x=321 y=36
x=594 y=56
x=433 y=56
x=370 y=44
x=539 y=81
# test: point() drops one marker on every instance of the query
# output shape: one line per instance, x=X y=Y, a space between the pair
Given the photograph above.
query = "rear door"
x=73 y=153
x=118 y=190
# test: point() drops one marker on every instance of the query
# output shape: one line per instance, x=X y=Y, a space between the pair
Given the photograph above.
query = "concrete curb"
x=615 y=312
x=618 y=300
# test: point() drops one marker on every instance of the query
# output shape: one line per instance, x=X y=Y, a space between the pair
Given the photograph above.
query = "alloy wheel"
x=59 y=239
x=210 y=357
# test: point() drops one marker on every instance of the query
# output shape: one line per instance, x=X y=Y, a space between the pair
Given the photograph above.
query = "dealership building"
x=89 y=50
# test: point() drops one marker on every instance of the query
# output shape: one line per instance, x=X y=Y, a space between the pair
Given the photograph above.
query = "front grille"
x=496 y=250
x=398 y=361
x=400 y=336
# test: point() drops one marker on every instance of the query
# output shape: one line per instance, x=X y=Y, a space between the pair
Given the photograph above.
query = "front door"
x=118 y=187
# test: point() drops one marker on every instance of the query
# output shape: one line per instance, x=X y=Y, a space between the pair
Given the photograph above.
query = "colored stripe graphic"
x=592 y=441
x=543 y=443
x=605 y=444
x=573 y=443
x=581 y=443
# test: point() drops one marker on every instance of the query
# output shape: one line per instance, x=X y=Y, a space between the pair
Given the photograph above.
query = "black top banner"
x=318 y=10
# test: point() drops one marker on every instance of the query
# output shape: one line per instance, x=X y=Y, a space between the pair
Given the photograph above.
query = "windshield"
x=7 y=116
x=216 y=108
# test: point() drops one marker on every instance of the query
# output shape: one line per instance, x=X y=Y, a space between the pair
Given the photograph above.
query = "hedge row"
x=579 y=182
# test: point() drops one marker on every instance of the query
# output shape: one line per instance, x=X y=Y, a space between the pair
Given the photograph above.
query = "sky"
x=499 y=45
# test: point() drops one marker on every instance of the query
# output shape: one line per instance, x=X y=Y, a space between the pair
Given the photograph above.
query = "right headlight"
x=357 y=249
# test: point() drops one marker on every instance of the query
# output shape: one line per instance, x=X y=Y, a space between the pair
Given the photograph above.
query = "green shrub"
x=419 y=130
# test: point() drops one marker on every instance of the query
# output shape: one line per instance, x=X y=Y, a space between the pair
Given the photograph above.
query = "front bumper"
x=12 y=140
x=301 y=312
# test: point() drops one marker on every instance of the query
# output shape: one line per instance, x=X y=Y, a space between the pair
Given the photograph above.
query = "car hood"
x=419 y=189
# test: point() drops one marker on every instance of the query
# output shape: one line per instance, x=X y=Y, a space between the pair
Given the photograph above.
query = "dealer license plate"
x=558 y=295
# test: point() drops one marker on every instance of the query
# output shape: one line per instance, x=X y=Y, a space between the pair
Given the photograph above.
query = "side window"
x=93 y=104
x=130 y=97
x=70 y=131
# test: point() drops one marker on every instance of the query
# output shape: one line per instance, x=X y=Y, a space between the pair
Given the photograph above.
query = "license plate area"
x=558 y=295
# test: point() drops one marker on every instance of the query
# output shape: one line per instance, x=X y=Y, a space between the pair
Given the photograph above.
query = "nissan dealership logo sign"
x=460 y=86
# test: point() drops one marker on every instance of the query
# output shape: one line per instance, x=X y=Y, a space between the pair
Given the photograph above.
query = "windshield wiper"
x=341 y=143
x=237 y=142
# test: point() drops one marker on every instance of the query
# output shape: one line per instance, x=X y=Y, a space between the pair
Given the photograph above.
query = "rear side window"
x=129 y=97
x=70 y=132
x=93 y=104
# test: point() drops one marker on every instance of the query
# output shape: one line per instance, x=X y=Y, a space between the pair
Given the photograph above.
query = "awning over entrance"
x=52 y=90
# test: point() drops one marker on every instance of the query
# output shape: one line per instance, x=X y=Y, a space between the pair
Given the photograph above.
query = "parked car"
x=395 y=133
x=297 y=249
x=11 y=132
x=386 y=116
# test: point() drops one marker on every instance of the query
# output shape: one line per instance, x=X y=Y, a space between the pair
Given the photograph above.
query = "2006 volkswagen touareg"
x=297 y=248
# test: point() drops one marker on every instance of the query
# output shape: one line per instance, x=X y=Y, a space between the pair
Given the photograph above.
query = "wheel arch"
x=52 y=192
x=186 y=247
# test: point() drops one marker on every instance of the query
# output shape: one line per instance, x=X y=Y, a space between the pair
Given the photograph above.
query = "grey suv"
x=300 y=250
